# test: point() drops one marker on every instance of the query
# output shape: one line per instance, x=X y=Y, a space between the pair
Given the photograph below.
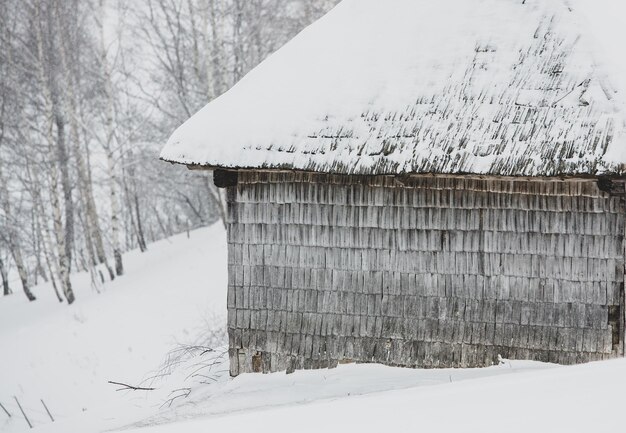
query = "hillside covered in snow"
x=160 y=326
x=173 y=294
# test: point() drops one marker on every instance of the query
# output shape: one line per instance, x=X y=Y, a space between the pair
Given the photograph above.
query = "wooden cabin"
x=422 y=184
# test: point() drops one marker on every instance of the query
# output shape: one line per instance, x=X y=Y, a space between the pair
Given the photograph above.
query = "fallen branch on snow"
x=125 y=386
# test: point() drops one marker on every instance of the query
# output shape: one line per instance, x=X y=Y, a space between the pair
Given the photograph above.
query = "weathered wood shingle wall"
x=422 y=271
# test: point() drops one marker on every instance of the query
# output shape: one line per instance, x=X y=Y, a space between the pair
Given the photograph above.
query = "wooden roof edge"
x=228 y=176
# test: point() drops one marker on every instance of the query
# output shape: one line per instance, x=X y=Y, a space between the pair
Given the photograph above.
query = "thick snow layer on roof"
x=607 y=21
x=416 y=86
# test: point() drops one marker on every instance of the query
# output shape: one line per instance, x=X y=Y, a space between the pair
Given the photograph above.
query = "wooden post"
x=622 y=296
x=47 y=410
x=5 y=410
x=23 y=413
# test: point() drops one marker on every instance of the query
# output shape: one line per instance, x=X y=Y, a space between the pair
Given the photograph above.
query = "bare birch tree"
x=89 y=92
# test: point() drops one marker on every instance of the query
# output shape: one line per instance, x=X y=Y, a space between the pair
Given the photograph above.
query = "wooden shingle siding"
x=421 y=271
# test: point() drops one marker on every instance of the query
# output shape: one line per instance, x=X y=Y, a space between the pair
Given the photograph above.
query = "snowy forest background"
x=90 y=90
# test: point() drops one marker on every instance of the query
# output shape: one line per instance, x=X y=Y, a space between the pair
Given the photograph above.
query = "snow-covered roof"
x=502 y=87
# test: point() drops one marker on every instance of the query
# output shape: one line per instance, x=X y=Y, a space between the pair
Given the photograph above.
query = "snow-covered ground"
x=585 y=398
x=175 y=293
x=65 y=355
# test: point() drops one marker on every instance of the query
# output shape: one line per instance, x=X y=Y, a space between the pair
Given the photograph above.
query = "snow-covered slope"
x=65 y=355
x=176 y=292
x=579 y=399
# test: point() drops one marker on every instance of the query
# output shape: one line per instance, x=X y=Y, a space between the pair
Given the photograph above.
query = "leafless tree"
x=89 y=92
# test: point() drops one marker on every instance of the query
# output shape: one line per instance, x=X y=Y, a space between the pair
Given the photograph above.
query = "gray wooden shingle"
x=430 y=272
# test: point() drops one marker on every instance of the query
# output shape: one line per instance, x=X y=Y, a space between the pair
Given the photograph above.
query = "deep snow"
x=176 y=293
x=586 y=398
x=66 y=355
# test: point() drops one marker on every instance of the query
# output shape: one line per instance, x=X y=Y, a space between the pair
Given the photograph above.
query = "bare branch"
x=125 y=386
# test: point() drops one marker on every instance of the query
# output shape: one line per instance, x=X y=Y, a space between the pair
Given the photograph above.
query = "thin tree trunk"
x=22 y=272
x=13 y=241
x=109 y=148
x=129 y=205
x=216 y=51
x=37 y=244
x=52 y=279
x=195 y=40
x=93 y=261
x=160 y=223
x=50 y=268
x=41 y=270
x=52 y=118
x=66 y=187
x=93 y=232
x=238 y=40
x=195 y=211
x=6 y=290
x=115 y=216
x=132 y=198
x=14 y=246
x=35 y=251
x=63 y=236
x=63 y=157
x=140 y=236
x=42 y=228
x=60 y=238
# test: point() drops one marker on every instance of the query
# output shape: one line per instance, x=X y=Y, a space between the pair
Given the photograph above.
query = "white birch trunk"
x=64 y=260
x=84 y=182
x=6 y=290
x=41 y=218
x=13 y=242
x=109 y=149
